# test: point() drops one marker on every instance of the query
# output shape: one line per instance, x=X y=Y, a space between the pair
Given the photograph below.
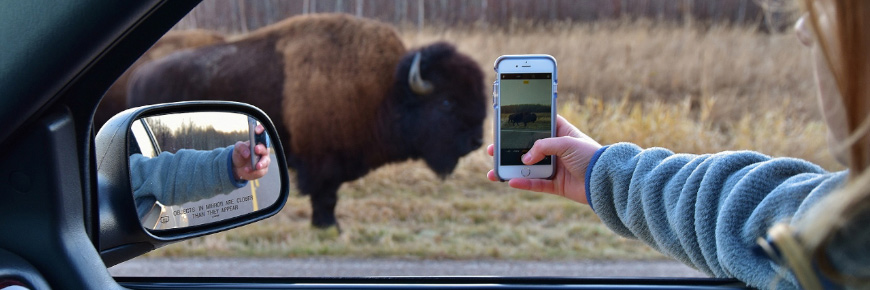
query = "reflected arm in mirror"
x=195 y=177
x=191 y=175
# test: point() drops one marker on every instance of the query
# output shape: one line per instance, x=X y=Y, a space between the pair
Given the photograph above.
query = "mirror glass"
x=189 y=169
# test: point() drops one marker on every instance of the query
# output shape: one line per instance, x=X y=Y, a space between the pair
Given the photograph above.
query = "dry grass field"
x=688 y=89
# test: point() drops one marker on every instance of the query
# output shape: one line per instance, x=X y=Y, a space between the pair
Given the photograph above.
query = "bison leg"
x=323 y=204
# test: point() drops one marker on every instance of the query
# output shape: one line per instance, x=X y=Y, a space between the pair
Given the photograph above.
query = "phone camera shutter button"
x=526 y=172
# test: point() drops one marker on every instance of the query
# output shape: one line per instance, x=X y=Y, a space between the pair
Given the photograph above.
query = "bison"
x=115 y=99
x=529 y=118
x=525 y=118
x=344 y=92
x=515 y=118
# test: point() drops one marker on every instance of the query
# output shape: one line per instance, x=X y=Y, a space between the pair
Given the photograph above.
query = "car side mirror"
x=172 y=172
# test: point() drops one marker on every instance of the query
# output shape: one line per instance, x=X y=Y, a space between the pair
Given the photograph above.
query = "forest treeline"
x=241 y=16
x=192 y=136
x=525 y=108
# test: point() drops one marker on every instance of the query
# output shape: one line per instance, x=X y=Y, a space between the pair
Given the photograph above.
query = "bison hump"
x=338 y=71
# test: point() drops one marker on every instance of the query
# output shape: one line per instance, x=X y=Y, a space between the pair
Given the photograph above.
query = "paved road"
x=335 y=267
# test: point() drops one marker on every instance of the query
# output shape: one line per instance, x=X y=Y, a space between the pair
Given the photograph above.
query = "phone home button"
x=525 y=172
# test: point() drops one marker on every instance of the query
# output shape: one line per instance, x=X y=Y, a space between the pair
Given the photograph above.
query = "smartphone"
x=524 y=99
x=253 y=138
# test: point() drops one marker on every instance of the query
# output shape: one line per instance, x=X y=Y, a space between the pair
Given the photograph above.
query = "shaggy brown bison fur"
x=344 y=92
x=115 y=99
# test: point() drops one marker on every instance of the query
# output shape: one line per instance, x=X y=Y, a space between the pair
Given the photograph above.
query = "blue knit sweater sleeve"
x=184 y=176
x=705 y=210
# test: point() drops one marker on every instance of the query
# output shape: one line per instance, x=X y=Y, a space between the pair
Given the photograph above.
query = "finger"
x=261 y=150
x=537 y=185
x=238 y=154
x=244 y=150
x=490 y=149
x=264 y=162
x=558 y=146
x=565 y=128
x=259 y=129
x=491 y=175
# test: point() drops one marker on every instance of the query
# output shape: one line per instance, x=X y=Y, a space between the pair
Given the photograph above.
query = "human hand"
x=573 y=150
x=242 y=159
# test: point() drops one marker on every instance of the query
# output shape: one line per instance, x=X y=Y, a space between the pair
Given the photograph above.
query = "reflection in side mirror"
x=190 y=169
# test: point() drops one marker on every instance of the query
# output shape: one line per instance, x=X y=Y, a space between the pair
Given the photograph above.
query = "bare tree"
x=243 y=17
x=775 y=13
x=420 y=15
x=235 y=16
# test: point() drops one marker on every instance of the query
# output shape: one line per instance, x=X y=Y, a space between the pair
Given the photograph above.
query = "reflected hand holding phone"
x=189 y=169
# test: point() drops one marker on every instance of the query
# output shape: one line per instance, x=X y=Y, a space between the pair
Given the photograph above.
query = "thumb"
x=240 y=150
x=559 y=146
x=574 y=153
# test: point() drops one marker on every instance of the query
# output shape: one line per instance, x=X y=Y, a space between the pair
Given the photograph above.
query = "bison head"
x=442 y=103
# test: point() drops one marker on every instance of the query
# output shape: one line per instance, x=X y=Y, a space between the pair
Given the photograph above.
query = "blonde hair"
x=842 y=30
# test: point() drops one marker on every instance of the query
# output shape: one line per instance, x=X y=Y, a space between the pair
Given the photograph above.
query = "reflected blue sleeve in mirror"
x=236 y=182
x=184 y=176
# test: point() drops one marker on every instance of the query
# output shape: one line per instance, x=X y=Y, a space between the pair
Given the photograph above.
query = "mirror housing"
x=121 y=235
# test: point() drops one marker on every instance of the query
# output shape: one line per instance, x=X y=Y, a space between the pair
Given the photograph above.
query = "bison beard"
x=343 y=93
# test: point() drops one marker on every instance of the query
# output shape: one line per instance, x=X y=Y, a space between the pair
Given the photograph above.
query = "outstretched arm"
x=705 y=210
x=187 y=175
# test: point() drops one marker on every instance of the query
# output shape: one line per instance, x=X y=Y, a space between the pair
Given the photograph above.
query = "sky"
x=221 y=121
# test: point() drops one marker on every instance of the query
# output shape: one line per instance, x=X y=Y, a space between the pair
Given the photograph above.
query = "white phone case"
x=532 y=63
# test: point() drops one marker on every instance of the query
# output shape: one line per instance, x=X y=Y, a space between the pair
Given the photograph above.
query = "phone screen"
x=526 y=108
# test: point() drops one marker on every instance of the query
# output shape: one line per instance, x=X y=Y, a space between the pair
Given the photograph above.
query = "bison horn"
x=418 y=84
